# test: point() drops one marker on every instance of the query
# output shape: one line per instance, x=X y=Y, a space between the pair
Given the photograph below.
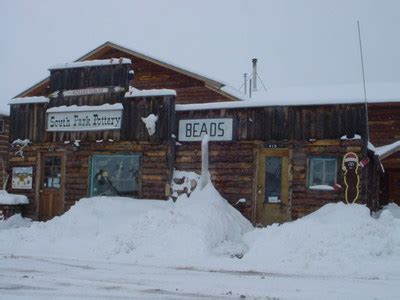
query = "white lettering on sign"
x=91 y=91
x=220 y=129
x=84 y=120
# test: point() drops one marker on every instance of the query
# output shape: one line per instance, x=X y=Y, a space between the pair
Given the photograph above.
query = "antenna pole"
x=245 y=83
x=363 y=75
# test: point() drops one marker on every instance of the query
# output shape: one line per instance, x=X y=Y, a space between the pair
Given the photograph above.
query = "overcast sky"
x=298 y=42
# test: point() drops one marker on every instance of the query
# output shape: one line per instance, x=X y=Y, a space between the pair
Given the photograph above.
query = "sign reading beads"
x=218 y=129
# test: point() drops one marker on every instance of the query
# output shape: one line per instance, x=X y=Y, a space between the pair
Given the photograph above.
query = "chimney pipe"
x=254 y=74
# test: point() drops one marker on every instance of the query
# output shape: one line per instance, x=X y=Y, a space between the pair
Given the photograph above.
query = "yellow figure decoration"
x=350 y=166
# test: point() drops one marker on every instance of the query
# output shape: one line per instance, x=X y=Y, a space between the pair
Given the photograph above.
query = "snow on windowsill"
x=12 y=199
x=321 y=187
x=92 y=63
x=75 y=108
x=133 y=92
x=29 y=100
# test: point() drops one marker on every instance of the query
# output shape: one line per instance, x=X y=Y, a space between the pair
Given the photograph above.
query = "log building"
x=118 y=122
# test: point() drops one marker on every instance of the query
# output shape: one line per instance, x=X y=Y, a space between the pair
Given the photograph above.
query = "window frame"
x=310 y=173
x=91 y=171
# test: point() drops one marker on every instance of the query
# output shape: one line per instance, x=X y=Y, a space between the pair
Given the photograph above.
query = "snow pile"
x=189 y=231
x=337 y=239
x=204 y=231
x=15 y=221
x=12 y=199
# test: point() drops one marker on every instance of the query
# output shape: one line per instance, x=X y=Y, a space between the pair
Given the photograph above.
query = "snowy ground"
x=199 y=247
x=52 y=278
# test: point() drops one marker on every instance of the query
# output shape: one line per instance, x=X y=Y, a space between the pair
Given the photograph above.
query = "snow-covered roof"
x=12 y=199
x=75 y=108
x=133 y=92
x=92 y=63
x=377 y=92
x=386 y=150
x=29 y=100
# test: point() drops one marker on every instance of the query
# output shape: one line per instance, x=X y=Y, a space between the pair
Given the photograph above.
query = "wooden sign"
x=84 y=118
x=351 y=177
x=22 y=178
x=218 y=129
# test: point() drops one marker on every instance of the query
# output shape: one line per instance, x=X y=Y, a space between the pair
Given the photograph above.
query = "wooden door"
x=272 y=192
x=51 y=193
x=394 y=186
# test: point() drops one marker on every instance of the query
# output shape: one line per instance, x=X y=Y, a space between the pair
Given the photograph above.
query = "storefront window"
x=322 y=171
x=115 y=175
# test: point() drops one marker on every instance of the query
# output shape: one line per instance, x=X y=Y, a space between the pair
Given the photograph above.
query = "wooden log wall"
x=152 y=178
x=305 y=200
x=28 y=121
x=4 y=137
x=384 y=129
x=290 y=122
x=231 y=168
x=149 y=75
x=305 y=130
x=94 y=76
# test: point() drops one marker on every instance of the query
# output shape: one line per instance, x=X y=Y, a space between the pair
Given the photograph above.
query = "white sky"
x=298 y=43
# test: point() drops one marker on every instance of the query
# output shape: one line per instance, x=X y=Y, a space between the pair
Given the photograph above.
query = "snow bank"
x=15 y=221
x=188 y=231
x=205 y=232
x=12 y=199
x=337 y=239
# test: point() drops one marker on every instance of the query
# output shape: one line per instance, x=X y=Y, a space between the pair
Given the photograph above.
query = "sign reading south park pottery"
x=351 y=177
x=84 y=118
x=218 y=129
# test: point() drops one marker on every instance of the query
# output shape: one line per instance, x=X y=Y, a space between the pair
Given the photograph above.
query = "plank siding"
x=153 y=157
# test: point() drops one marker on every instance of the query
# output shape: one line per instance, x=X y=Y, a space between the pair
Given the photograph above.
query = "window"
x=1 y=125
x=273 y=179
x=52 y=172
x=114 y=175
x=322 y=172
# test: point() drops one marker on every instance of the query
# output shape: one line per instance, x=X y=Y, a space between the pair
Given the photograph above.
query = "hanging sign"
x=218 y=129
x=84 y=118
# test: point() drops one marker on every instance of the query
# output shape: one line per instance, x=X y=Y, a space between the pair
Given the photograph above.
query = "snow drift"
x=137 y=231
x=337 y=239
x=205 y=232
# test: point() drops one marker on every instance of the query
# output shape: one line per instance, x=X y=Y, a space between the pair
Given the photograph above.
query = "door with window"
x=272 y=199
x=51 y=193
x=115 y=175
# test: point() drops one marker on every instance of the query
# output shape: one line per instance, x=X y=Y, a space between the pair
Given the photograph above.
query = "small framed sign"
x=218 y=129
x=22 y=178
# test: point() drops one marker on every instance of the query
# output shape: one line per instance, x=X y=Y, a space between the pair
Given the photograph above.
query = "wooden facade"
x=4 y=138
x=292 y=139
x=149 y=73
x=384 y=129
x=300 y=132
